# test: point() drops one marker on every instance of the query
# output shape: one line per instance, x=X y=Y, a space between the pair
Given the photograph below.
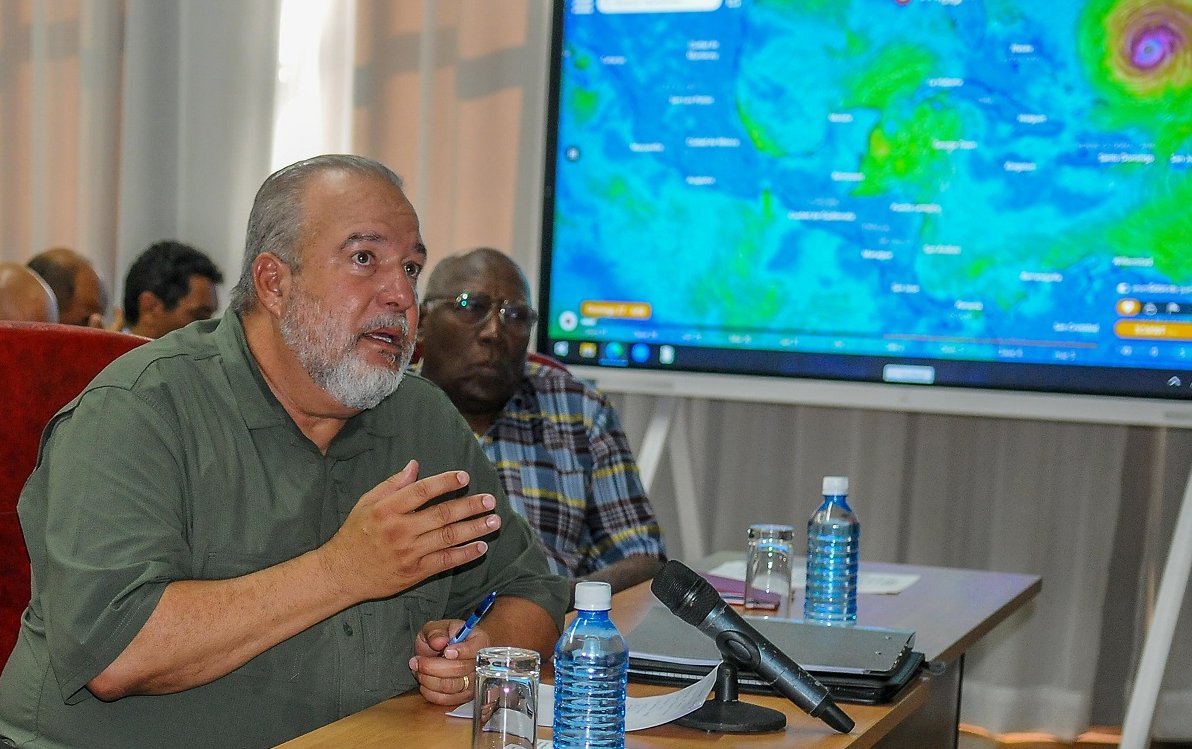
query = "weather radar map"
x=975 y=193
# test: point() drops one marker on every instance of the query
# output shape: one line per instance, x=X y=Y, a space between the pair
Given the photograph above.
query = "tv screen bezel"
x=864 y=386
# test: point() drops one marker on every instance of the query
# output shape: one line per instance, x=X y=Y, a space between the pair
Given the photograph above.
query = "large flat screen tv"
x=940 y=197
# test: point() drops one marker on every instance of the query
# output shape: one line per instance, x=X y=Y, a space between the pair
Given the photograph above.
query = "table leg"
x=935 y=723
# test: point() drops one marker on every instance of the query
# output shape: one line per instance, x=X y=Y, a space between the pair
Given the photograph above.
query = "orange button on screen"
x=618 y=310
x=1128 y=306
x=1142 y=330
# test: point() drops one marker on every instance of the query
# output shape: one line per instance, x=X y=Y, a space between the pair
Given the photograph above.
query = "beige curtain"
x=450 y=94
x=60 y=89
x=129 y=121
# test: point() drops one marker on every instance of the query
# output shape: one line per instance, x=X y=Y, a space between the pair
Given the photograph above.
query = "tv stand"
x=668 y=427
x=1140 y=711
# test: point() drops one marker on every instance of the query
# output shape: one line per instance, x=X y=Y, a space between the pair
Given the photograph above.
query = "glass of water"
x=768 y=569
x=505 y=710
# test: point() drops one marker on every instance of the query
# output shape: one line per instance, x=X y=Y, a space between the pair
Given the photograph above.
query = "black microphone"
x=694 y=600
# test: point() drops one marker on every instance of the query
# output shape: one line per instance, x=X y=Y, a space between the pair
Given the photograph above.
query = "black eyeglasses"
x=474 y=309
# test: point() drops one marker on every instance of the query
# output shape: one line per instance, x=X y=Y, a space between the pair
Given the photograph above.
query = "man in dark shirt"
x=169 y=286
x=226 y=549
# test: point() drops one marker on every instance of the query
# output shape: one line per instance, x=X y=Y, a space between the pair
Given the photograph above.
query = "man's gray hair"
x=276 y=221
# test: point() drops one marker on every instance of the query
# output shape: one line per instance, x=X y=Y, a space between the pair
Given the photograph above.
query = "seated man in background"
x=82 y=298
x=25 y=296
x=254 y=526
x=168 y=287
x=556 y=441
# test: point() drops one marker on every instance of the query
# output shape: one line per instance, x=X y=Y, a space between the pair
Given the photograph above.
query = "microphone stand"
x=726 y=714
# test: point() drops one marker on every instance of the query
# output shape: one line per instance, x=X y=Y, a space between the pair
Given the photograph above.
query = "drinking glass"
x=768 y=569
x=505 y=710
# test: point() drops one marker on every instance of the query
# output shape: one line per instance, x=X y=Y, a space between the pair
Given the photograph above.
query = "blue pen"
x=476 y=616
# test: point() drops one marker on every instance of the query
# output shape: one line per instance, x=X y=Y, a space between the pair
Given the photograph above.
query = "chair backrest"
x=42 y=367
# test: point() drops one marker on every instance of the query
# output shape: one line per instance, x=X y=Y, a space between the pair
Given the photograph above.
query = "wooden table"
x=949 y=610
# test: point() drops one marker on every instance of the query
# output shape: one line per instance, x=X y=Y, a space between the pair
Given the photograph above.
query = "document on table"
x=885 y=583
x=640 y=712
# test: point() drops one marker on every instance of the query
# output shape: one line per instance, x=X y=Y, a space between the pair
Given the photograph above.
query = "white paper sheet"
x=884 y=583
x=640 y=712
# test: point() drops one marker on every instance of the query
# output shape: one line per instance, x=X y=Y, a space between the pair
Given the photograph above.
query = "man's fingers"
x=448 y=547
x=440 y=630
x=452 y=684
x=441 y=560
x=408 y=494
x=396 y=482
x=450 y=523
x=446 y=700
x=390 y=525
x=439 y=672
x=422 y=491
x=461 y=531
x=444 y=682
x=452 y=557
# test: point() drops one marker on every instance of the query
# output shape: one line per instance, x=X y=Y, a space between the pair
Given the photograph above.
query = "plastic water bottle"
x=591 y=668
x=833 y=550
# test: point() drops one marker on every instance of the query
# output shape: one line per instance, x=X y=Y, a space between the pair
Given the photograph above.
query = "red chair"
x=42 y=367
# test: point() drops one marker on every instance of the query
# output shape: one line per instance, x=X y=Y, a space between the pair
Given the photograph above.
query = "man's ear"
x=149 y=305
x=271 y=278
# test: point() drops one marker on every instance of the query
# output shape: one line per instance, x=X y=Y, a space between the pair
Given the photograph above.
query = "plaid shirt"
x=567 y=467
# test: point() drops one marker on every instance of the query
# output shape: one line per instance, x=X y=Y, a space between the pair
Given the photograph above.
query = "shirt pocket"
x=390 y=629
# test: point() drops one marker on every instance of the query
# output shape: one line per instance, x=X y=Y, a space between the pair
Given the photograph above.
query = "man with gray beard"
x=247 y=529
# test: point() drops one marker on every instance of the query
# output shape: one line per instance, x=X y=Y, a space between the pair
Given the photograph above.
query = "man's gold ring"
x=467 y=681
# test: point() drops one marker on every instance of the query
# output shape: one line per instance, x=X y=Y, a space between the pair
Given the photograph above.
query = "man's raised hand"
x=391 y=540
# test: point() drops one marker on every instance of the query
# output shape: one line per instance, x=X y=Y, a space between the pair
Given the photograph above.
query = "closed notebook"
x=857 y=664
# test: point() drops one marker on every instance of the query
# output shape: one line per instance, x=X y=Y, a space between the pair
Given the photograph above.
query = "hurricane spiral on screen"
x=1151 y=43
x=1138 y=56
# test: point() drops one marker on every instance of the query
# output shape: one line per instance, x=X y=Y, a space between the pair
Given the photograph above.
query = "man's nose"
x=397 y=289
x=492 y=326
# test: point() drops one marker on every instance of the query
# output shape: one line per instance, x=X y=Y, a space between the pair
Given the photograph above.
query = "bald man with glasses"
x=557 y=443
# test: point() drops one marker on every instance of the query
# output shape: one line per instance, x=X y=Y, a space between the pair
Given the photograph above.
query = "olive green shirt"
x=178 y=463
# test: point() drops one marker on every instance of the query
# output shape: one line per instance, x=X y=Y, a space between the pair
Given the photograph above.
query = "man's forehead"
x=472 y=273
x=363 y=206
x=200 y=286
x=343 y=181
